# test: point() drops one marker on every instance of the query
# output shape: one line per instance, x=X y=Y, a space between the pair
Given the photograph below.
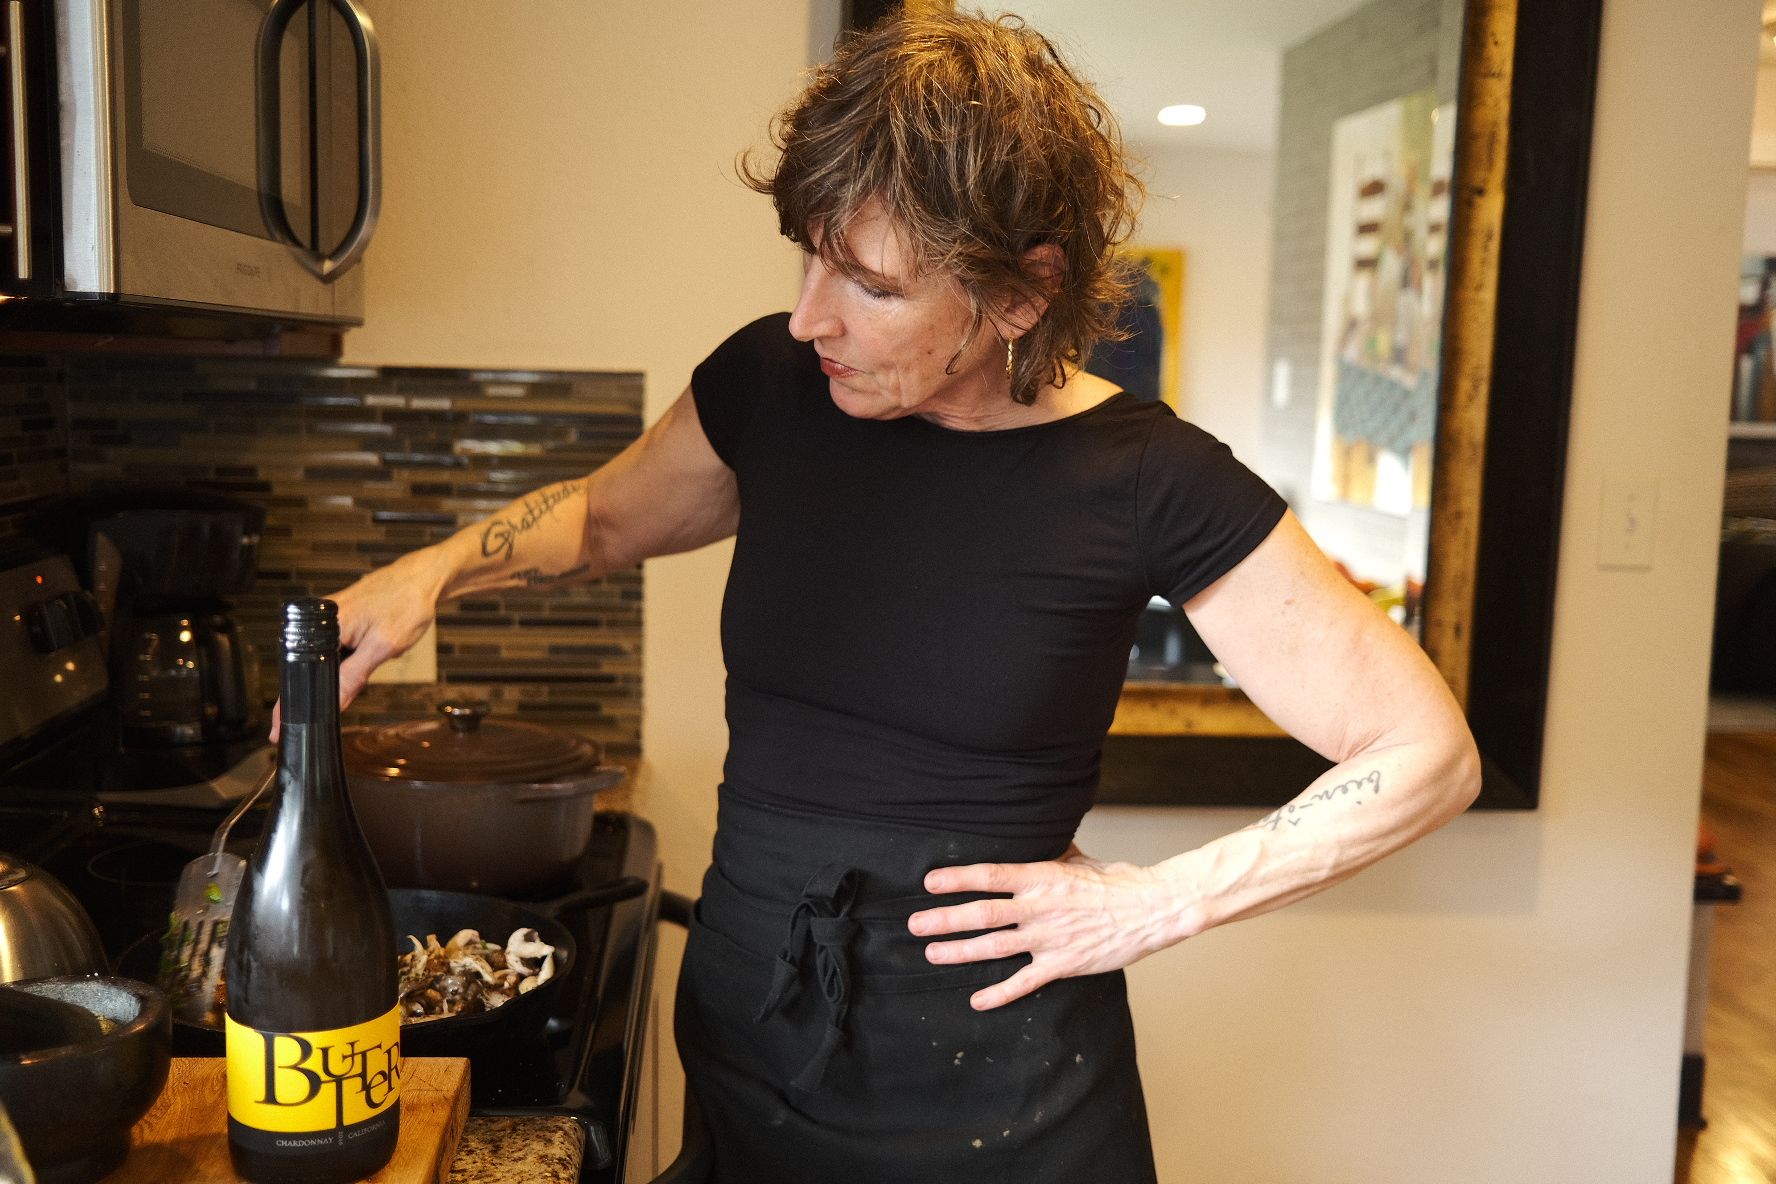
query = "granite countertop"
x=624 y=796
x=532 y=1150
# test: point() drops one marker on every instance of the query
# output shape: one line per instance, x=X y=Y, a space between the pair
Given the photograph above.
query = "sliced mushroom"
x=527 y=944
x=470 y=974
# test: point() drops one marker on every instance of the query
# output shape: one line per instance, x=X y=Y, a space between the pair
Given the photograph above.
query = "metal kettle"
x=43 y=930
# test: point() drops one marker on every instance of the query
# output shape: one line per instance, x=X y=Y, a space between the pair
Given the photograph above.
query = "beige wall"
x=1760 y=213
x=1763 y=127
x=1215 y=203
x=1501 y=1003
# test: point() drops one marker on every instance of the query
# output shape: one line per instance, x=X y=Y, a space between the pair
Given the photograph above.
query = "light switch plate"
x=1280 y=389
x=1625 y=532
x=419 y=664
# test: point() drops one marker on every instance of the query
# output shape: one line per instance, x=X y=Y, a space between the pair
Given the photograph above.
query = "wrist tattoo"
x=1357 y=789
x=500 y=536
x=536 y=577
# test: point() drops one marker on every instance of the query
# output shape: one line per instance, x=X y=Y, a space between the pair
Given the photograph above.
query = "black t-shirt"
x=932 y=626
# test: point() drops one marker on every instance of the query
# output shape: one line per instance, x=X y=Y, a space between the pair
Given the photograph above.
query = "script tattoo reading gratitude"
x=501 y=534
x=1369 y=784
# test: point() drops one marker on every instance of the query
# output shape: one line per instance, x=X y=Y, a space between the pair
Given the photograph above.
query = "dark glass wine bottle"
x=314 y=1044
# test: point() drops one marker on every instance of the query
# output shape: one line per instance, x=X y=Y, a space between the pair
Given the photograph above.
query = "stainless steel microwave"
x=217 y=156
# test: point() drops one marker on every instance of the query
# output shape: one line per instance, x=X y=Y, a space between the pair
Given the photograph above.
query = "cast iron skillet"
x=419 y=911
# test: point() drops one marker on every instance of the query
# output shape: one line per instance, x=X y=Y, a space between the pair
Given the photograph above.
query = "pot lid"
x=463 y=745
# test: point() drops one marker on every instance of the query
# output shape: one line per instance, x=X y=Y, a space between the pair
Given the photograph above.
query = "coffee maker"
x=162 y=562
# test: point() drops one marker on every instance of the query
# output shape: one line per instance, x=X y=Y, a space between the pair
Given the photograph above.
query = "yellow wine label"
x=303 y=1082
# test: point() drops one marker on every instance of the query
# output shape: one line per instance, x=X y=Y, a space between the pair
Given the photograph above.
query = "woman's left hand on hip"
x=1073 y=915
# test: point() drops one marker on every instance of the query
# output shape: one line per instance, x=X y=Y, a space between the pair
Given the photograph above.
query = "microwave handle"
x=20 y=229
x=369 y=59
x=332 y=265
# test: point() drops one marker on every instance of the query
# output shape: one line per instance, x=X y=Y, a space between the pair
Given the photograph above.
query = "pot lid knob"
x=13 y=871
x=465 y=715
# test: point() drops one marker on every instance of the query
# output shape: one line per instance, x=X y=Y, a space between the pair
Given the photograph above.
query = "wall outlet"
x=419 y=664
x=1625 y=534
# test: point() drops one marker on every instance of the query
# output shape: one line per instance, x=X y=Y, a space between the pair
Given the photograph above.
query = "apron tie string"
x=821 y=919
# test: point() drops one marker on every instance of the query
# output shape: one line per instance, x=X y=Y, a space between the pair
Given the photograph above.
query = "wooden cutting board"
x=184 y=1138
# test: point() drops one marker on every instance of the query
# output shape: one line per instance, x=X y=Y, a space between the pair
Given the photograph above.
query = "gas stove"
x=117 y=826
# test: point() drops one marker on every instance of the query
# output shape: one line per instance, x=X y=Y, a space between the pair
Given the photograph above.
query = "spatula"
x=191 y=951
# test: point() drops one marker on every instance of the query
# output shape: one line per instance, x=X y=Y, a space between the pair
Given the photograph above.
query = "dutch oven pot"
x=475 y=804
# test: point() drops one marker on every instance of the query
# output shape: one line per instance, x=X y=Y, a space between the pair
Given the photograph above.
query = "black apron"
x=821 y=1046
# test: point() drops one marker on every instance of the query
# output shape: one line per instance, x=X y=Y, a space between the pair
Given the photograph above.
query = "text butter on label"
x=295 y=1082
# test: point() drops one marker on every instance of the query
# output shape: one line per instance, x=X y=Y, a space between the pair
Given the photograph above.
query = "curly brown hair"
x=980 y=143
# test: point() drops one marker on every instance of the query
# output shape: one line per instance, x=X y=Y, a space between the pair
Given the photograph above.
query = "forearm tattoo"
x=1357 y=791
x=500 y=536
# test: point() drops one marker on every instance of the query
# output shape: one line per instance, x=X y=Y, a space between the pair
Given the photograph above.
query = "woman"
x=902 y=969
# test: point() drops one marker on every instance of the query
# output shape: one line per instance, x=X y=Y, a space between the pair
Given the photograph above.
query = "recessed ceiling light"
x=1182 y=115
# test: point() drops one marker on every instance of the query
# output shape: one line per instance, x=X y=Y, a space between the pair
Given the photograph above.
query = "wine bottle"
x=313 y=1026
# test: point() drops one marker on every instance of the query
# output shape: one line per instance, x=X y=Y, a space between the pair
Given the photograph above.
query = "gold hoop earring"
x=1008 y=345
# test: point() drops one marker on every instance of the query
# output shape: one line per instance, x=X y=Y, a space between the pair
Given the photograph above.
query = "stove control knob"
x=84 y=607
x=51 y=625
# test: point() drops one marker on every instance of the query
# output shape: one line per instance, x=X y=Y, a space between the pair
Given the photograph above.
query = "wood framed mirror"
x=1522 y=145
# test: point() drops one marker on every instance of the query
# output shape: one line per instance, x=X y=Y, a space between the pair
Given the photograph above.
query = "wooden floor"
x=1739 y=1097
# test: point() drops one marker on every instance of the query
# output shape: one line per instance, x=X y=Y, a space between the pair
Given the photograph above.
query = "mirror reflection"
x=1298 y=158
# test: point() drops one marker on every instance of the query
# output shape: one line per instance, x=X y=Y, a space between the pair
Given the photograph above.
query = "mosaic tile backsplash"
x=33 y=437
x=354 y=467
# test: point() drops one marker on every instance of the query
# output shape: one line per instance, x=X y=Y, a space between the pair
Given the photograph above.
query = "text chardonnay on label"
x=314 y=1040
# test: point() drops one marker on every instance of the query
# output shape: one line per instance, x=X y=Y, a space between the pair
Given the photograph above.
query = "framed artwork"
x=1754 y=366
x=1381 y=337
x=1146 y=363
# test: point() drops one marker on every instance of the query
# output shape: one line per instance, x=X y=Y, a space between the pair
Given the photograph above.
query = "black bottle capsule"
x=314 y=1047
